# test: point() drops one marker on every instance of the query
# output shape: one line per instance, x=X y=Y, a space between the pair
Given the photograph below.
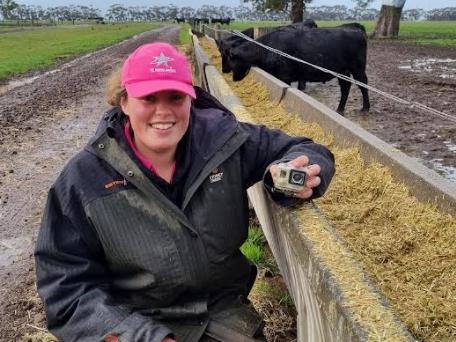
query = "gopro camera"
x=289 y=178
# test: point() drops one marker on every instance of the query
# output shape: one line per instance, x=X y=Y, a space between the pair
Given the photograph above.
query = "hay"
x=41 y=336
x=406 y=247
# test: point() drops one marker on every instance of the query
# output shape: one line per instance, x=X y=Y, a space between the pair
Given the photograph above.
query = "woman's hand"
x=312 y=178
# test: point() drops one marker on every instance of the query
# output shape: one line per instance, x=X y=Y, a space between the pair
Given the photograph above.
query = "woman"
x=141 y=233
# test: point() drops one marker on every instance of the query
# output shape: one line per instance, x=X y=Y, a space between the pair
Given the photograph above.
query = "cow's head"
x=239 y=65
x=226 y=66
x=224 y=50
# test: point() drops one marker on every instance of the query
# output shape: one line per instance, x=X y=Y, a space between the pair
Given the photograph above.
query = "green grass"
x=39 y=48
x=242 y=25
x=429 y=32
x=269 y=290
x=255 y=248
x=422 y=32
x=184 y=36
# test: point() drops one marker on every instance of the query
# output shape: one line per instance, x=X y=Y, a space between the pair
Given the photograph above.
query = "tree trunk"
x=388 y=22
x=297 y=10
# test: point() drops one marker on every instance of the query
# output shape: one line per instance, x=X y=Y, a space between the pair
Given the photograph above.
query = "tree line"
x=11 y=10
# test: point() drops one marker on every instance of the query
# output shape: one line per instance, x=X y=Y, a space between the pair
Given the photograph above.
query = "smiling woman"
x=157 y=108
x=141 y=236
x=159 y=122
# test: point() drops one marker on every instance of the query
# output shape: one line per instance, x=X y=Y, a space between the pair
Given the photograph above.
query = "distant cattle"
x=194 y=21
x=98 y=20
x=180 y=20
x=341 y=49
x=223 y=21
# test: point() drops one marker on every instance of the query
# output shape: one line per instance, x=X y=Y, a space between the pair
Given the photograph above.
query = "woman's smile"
x=162 y=126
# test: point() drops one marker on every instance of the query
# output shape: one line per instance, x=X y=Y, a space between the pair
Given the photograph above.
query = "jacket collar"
x=216 y=134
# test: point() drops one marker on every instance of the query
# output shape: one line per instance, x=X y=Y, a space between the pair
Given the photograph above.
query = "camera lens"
x=297 y=177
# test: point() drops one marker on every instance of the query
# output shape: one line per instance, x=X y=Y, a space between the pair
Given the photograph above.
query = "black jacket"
x=115 y=256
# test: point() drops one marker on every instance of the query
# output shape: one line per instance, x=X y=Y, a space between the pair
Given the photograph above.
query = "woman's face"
x=159 y=121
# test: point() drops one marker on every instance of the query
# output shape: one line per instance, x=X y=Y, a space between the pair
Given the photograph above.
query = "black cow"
x=342 y=50
x=194 y=21
x=353 y=26
x=310 y=23
x=226 y=44
x=223 y=21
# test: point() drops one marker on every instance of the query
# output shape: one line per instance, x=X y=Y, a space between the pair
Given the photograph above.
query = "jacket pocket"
x=138 y=243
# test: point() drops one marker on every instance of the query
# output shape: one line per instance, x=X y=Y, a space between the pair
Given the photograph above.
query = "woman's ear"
x=123 y=104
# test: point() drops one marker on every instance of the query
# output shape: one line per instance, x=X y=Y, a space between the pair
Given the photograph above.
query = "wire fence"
x=411 y=104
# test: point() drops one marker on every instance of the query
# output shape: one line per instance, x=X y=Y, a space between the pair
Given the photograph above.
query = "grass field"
x=184 y=36
x=422 y=32
x=38 y=48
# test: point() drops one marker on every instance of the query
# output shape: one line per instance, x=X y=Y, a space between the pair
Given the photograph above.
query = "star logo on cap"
x=161 y=60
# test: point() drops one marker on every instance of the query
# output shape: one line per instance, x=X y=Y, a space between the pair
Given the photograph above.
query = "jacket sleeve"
x=74 y=283
x=265 y=147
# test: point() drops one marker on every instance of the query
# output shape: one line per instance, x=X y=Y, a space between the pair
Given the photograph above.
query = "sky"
x=104 y=4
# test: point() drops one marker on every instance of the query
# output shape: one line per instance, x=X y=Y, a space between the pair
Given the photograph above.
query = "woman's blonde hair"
x=114 y=89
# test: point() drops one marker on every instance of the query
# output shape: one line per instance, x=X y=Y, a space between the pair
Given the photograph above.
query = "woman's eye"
x=149 y=99
x=176 y=97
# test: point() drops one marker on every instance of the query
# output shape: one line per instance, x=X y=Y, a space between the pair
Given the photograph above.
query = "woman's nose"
x=162 y=107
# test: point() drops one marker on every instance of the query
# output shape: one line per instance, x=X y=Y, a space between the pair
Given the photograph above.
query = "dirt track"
x=44 y=123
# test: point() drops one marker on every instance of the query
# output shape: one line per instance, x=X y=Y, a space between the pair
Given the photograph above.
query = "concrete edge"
x=344 y=320
x=200 y=60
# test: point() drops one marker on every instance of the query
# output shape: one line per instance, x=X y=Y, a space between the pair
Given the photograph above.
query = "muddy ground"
x=42 y=125
x=423 y=74
x=45 y=122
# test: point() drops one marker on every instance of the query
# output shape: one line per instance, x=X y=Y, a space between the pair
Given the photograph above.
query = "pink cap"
x=155 y=67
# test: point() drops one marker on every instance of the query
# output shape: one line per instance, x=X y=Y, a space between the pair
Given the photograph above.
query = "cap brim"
x=141 y=89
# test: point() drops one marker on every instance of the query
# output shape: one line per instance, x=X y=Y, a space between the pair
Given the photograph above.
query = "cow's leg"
x=344 y=90
x=362 y=77
x=302 y=85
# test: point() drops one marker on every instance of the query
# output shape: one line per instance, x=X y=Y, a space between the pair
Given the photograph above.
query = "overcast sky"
x=104 y=4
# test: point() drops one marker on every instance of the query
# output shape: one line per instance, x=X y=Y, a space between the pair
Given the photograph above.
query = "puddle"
x=449 y=172
x=10 y=249
x=443 y=68
x=451 y=147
